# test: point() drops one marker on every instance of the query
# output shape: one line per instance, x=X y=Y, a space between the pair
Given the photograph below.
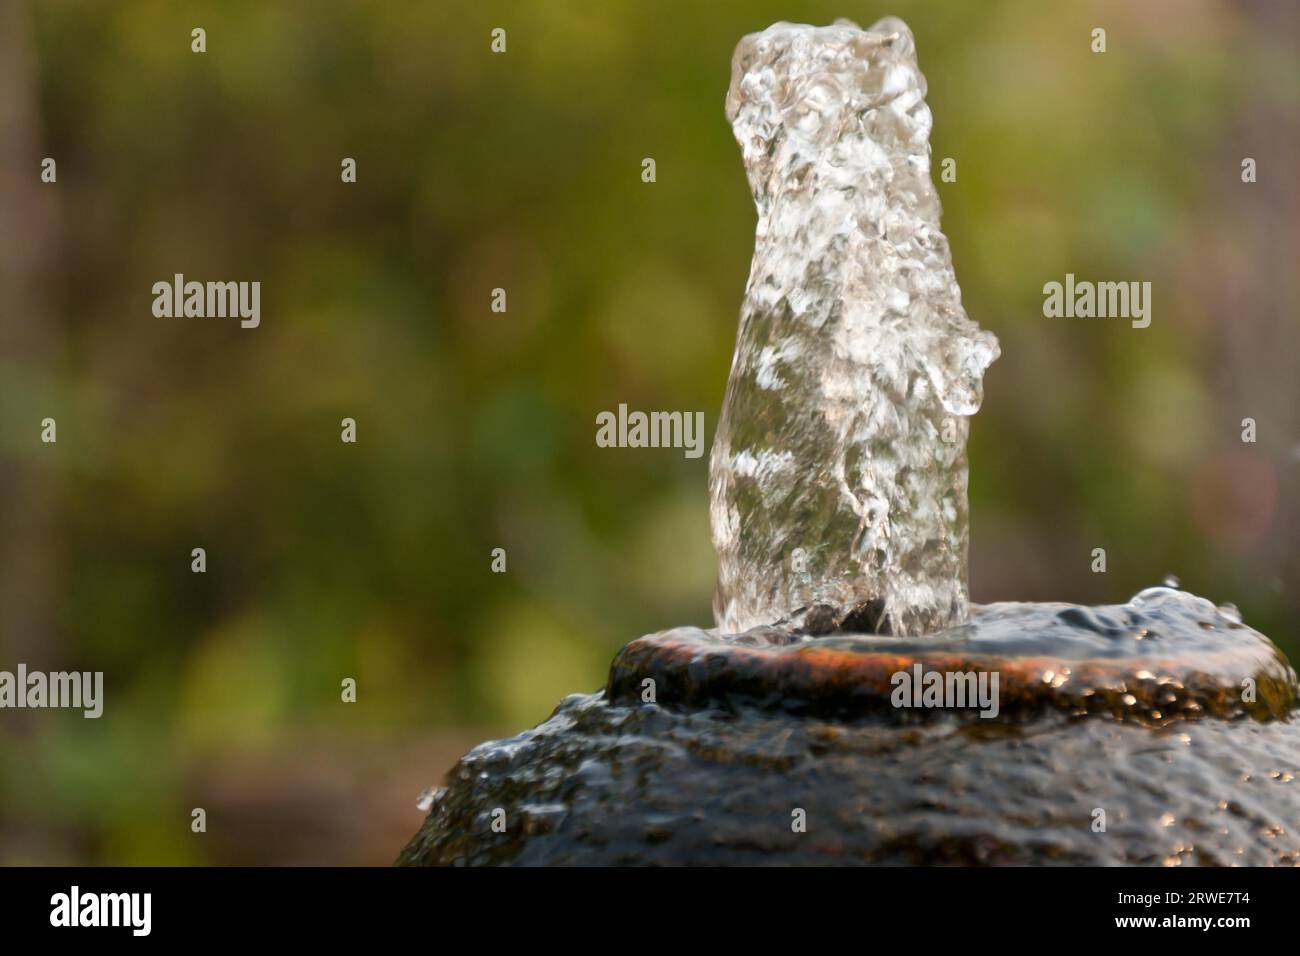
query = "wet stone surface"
x=1149 y=727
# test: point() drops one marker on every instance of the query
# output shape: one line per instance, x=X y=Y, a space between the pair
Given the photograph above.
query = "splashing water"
x=838 y=474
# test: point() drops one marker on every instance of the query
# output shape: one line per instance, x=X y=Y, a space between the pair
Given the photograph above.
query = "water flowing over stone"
x=838 y=474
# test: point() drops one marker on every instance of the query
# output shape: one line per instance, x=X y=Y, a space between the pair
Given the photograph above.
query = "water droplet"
x=1171 y=581
x=425 y=801
x=1231 y=612
x=1152 y=597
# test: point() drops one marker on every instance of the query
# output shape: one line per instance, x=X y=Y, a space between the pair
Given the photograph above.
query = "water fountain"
x=838 y=474
x=852 y=706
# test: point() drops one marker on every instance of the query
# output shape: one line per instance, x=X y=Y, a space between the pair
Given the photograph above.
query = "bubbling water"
x=838 y=473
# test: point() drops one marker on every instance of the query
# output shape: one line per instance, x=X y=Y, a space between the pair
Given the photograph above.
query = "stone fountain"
x=851 y=706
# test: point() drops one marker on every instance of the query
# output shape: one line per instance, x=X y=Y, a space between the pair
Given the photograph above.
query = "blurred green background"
x=476 y=430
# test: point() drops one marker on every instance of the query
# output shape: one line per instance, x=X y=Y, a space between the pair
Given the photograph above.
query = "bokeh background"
x=476 y=430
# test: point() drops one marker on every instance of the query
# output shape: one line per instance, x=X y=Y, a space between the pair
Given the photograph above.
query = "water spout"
x=838 y=473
